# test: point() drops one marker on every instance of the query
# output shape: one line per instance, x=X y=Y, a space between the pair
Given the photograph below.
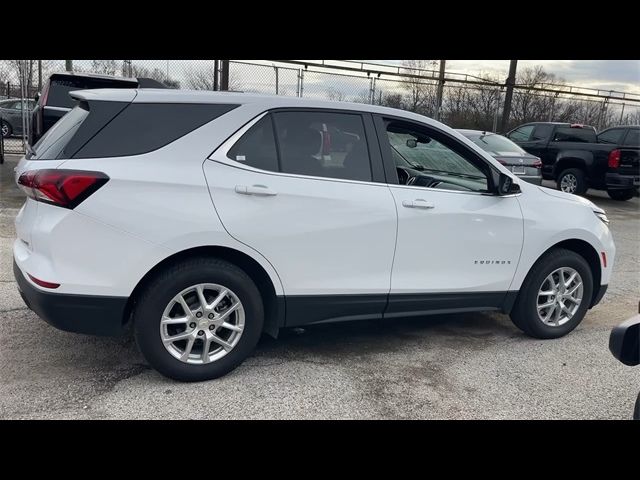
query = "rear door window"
x=54 y=141
x=633 y=138
x=569 y=134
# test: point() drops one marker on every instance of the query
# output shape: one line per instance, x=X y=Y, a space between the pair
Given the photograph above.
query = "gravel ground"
x=470 y=366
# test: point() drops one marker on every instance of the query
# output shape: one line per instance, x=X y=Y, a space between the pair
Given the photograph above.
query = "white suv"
x=204 y=219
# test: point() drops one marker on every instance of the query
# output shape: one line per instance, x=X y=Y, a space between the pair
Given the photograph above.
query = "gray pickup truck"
x=578 y=158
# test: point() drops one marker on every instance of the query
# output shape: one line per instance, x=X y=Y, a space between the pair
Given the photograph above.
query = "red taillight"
x=42 y=283
x=537 y=163
x=614 y=158
x=64 y=188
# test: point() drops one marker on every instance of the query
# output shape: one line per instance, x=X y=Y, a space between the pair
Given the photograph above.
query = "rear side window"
x=633 y=138
x=541 y=132
x=611 y=136
x=257 y=147
x=145 y=127
x=568 y=134
x=58 y=136
x=60 y=87
x=323 y=144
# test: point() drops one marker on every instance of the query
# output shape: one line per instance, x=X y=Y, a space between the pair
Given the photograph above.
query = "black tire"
x=636 y=411
x=525 y=313
x=576 y=177
x=621 y=195
x=164 y=286
x=6 y=129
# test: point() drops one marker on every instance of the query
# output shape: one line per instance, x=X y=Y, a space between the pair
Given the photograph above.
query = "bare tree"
x=106 y=67
x=335 y=95
x=201 y=77
x=421 y=95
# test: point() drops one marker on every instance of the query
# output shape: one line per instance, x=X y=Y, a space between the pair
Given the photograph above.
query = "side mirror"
x=412 y=143
x=624 y=341
x=506 y=185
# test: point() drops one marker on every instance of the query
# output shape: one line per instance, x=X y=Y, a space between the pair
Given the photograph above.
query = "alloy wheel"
x=559 y=296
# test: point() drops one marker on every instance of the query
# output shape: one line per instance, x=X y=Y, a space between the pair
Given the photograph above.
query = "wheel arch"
x=273 y=303
x=586 y=251
x=572 y=159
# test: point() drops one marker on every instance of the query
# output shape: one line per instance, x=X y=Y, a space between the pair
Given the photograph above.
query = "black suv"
x=54 y=101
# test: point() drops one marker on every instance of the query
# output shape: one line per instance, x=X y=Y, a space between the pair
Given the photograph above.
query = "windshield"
x=497 y=145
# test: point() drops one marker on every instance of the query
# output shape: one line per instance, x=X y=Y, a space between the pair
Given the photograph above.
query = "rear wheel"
x=5 y=129
x=621 y=195
x=572 y=180
x=198 y=319
x=555 y=295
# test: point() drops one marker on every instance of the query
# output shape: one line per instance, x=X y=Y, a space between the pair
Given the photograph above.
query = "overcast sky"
x=623 y=75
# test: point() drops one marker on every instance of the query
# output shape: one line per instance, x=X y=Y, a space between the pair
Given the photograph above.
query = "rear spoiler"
x=105 y=94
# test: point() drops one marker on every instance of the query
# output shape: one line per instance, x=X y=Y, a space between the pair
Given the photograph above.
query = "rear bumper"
x=90 y=314
x=616 y=181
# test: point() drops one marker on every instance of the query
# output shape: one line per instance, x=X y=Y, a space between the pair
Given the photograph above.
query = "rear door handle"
x=259 y=190
x=418 y=203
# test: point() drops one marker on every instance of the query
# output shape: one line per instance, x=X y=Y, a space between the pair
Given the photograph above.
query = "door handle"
x=418 y=203
x=259 y=190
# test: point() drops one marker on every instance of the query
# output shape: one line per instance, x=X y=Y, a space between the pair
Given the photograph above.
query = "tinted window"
x=323 y=144
x=61 y=86
x=57 y=137
x=432 y=163
x=257 y=147
x=568 y=134
x=541 y=132
x=610 y=136
x=633 y=137
x=497 y=144
x=144 y=127
x=521 y=134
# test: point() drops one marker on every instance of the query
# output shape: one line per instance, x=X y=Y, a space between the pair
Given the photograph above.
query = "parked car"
x=524 y=165
x=572 y=156
x=11 y=115
x=54 y=100
x=203 y=219
x=624 y=343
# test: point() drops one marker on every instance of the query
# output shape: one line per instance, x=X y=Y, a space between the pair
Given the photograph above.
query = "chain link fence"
x=474 y=104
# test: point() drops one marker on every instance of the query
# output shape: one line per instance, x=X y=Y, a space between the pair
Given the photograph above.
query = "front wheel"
x=199 y=319
x=572 y=180
x=621 y=195
x=555 y=296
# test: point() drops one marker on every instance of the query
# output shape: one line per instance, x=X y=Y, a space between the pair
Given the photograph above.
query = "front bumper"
x=616 y=181
x=90 y=314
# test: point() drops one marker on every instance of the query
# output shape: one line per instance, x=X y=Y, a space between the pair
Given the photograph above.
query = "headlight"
x=602 y=216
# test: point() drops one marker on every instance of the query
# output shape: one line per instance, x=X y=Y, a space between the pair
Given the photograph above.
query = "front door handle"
x=259 y=190
x=418 y=203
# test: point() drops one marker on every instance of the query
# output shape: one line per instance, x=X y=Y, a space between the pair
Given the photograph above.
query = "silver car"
x=523 y=164
x=11 y=115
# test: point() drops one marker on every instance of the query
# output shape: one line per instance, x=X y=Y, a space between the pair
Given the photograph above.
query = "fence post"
x=497 y=114
x=440 y=90
x=276 y=69
x=621 y=114
x=511 y=80
x=372 y=90
x=301 y=82
x=1 y=144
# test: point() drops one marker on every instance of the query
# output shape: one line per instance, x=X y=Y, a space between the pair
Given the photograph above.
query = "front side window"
x=422 y=160
x=521 y=134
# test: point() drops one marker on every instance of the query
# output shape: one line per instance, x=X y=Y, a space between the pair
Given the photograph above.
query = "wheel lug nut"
x=211 y=315
x=192 y=325
x=199 y=314
x=212 y=327
x=201 y=332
